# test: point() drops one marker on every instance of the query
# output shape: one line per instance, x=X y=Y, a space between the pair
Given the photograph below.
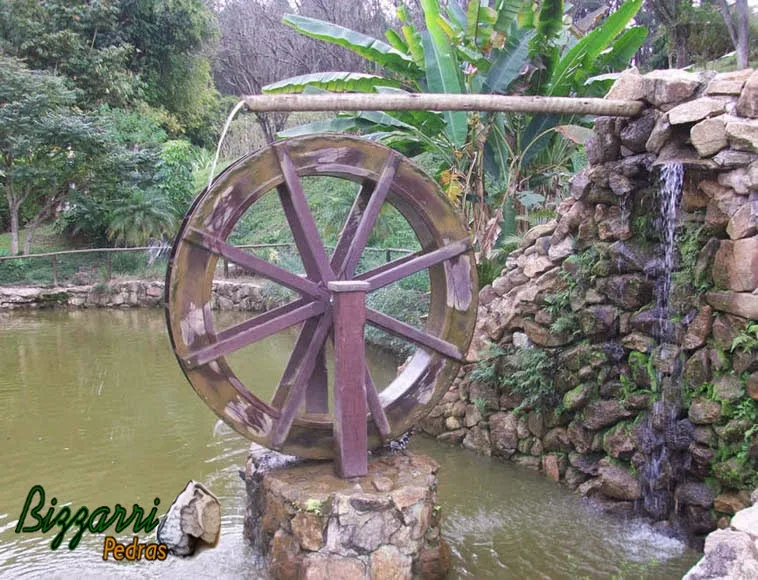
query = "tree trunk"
x=13 y=209
x=681 y=53
x=743 y=32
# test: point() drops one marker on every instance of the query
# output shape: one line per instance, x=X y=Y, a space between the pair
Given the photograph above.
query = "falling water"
x=665 y=437
x=671 y=179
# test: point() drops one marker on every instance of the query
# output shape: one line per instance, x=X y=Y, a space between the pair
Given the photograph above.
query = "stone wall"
x=129 y=294
x=579 y=375
x=308 y=523
x=731 y=552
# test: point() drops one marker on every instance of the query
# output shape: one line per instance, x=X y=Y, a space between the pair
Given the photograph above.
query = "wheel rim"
x=385 y=176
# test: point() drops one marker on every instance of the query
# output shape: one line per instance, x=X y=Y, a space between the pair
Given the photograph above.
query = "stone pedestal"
x=308 y=523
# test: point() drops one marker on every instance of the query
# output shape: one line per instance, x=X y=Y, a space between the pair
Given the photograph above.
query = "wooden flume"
x=442 y=102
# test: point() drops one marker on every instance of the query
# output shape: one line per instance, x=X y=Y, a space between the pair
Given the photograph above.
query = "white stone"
x=746 y=521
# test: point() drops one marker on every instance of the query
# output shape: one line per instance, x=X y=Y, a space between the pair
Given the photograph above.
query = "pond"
x=94 y=408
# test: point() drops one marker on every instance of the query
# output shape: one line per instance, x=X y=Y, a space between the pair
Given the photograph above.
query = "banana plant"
x=490 y=165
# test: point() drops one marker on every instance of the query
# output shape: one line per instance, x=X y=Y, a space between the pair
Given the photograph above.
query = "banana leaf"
x=584 y=53
x=442 y=71
x=509 y=61
x=333 y=82
x=369 y=48
x=507 y=12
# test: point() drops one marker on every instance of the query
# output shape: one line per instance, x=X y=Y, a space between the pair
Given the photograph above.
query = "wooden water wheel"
x=298 y=420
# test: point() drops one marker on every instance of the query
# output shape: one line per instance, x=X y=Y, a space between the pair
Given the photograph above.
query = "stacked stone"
x=731 y=552
x=308 y=523
x=225 y=295
x=593 y=439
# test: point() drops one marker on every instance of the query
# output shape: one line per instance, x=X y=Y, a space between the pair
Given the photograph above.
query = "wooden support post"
x=108 y=267
x=226 y=268
x=55 y=270
x=350 y=408
x=389 y=256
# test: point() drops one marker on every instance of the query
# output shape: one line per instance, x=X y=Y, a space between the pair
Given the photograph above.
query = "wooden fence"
x=159 y=252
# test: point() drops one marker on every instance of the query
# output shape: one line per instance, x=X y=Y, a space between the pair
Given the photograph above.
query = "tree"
x=490 y=163
x=672 y=15
x=738 y=24
x=256 y=49
x=45 y=142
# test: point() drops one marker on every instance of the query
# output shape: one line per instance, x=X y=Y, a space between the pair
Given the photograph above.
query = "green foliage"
x=142 y=216
x=642 y=364
x=491 y=166
x=530 y=371
x=747 y=339
x=481 y=404
x=689 y=241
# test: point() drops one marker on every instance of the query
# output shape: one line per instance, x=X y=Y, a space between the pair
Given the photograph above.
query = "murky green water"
x=94 y=408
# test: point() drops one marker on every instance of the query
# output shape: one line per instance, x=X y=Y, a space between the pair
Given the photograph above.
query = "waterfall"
x=665 y=438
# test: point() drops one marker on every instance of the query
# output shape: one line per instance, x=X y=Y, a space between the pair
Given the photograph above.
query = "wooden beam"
x=442 y=102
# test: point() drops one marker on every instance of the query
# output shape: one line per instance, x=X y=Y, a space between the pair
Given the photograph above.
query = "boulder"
x=709 y=137
x=729 y=158
x=599 y=414
x=616 y=482
x=751 y=386
x=543 y=336
x=694 y=493
x=619 y=443
x=194 y=516
x=747 y=106
x=698 y=329
x=743 y=135
x=629 y=291
x=556 y=439
x=664 y=87
x=744 y=222
x=740 y=303
x=727 y=388
x=578 y=397
x=729 y=83
x=599 y=320
x=580 y=437
x=728 y=554
x=731 y=502
x=660 y=135
x=746 y=520
x=551 y=465
x=704 y=411
x=629 y=85
x=635 y=135
x=736 y=265
x=639 y=342
x=504 y=433
x=697 y=110
x=478 y=440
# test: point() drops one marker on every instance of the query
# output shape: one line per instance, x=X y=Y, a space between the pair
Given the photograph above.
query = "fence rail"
x=156 y=254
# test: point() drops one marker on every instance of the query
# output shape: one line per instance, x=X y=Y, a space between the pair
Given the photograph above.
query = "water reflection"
x=94 y=407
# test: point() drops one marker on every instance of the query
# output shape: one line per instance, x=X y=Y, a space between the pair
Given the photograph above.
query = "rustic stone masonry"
x=129 y=294
x=576 y=375
x=731 y=552
x=308 y=523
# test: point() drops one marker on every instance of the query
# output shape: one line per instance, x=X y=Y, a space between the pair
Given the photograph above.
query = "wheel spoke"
x=396 y=327
x=358 y=226
x=253 y=330
x=302 y=344
x=387 y=266
x=296 y=394
x=254 y=264
x=417 y=264
x=375 y=406
x=301 y=222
